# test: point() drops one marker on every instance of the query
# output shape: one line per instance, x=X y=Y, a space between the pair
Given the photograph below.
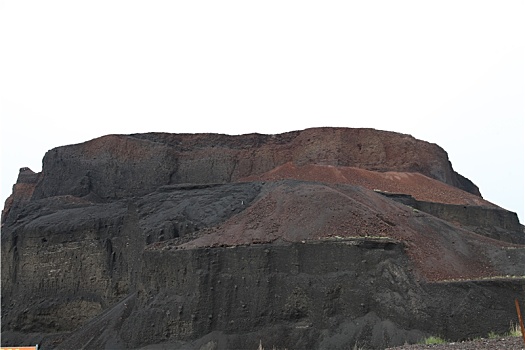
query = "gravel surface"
x=417 y=185
x=507 y=343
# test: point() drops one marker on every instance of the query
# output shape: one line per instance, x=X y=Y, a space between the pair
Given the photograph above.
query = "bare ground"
x=507 y=343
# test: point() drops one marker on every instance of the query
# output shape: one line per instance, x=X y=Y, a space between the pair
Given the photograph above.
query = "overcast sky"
x=448 y=72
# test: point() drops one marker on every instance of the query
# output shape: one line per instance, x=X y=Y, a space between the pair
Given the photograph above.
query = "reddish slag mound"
x=415 y=184
x=326 y=238
x=122 y=166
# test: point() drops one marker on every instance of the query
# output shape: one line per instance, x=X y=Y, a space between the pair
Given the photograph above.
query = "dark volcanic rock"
x=117 y=166
x=489 y=221
x=318 y=295
x=218 y=242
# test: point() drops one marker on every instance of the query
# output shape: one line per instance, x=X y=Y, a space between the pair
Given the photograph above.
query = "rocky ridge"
x=344 y=236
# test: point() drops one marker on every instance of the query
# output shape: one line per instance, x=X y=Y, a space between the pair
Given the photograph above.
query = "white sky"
x=448 y=72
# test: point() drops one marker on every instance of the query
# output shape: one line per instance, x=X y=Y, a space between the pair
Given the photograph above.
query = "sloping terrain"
x=321 y=238
x=419 y=186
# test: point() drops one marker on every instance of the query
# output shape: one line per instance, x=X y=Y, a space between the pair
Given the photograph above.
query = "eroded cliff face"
x=117 y=166
x=327 y=294
x=214 y=241
x=63 y=250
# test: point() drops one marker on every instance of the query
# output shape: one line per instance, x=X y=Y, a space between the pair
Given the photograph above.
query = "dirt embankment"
x=186 y=240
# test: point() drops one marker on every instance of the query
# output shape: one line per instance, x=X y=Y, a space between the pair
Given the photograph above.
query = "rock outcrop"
x=323 y=238
x=118 y=166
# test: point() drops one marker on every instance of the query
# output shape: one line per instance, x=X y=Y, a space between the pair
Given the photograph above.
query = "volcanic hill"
x=317 y=239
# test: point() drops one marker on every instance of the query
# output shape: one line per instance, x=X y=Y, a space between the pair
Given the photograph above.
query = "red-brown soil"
x=417 y=185
x=313 y=211
x=310 y=246
x=305 y=211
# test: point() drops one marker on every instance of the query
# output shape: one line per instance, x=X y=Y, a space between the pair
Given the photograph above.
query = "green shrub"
x=493 y=335
x=432 y=340
x=515 y=330
x=262 y=348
